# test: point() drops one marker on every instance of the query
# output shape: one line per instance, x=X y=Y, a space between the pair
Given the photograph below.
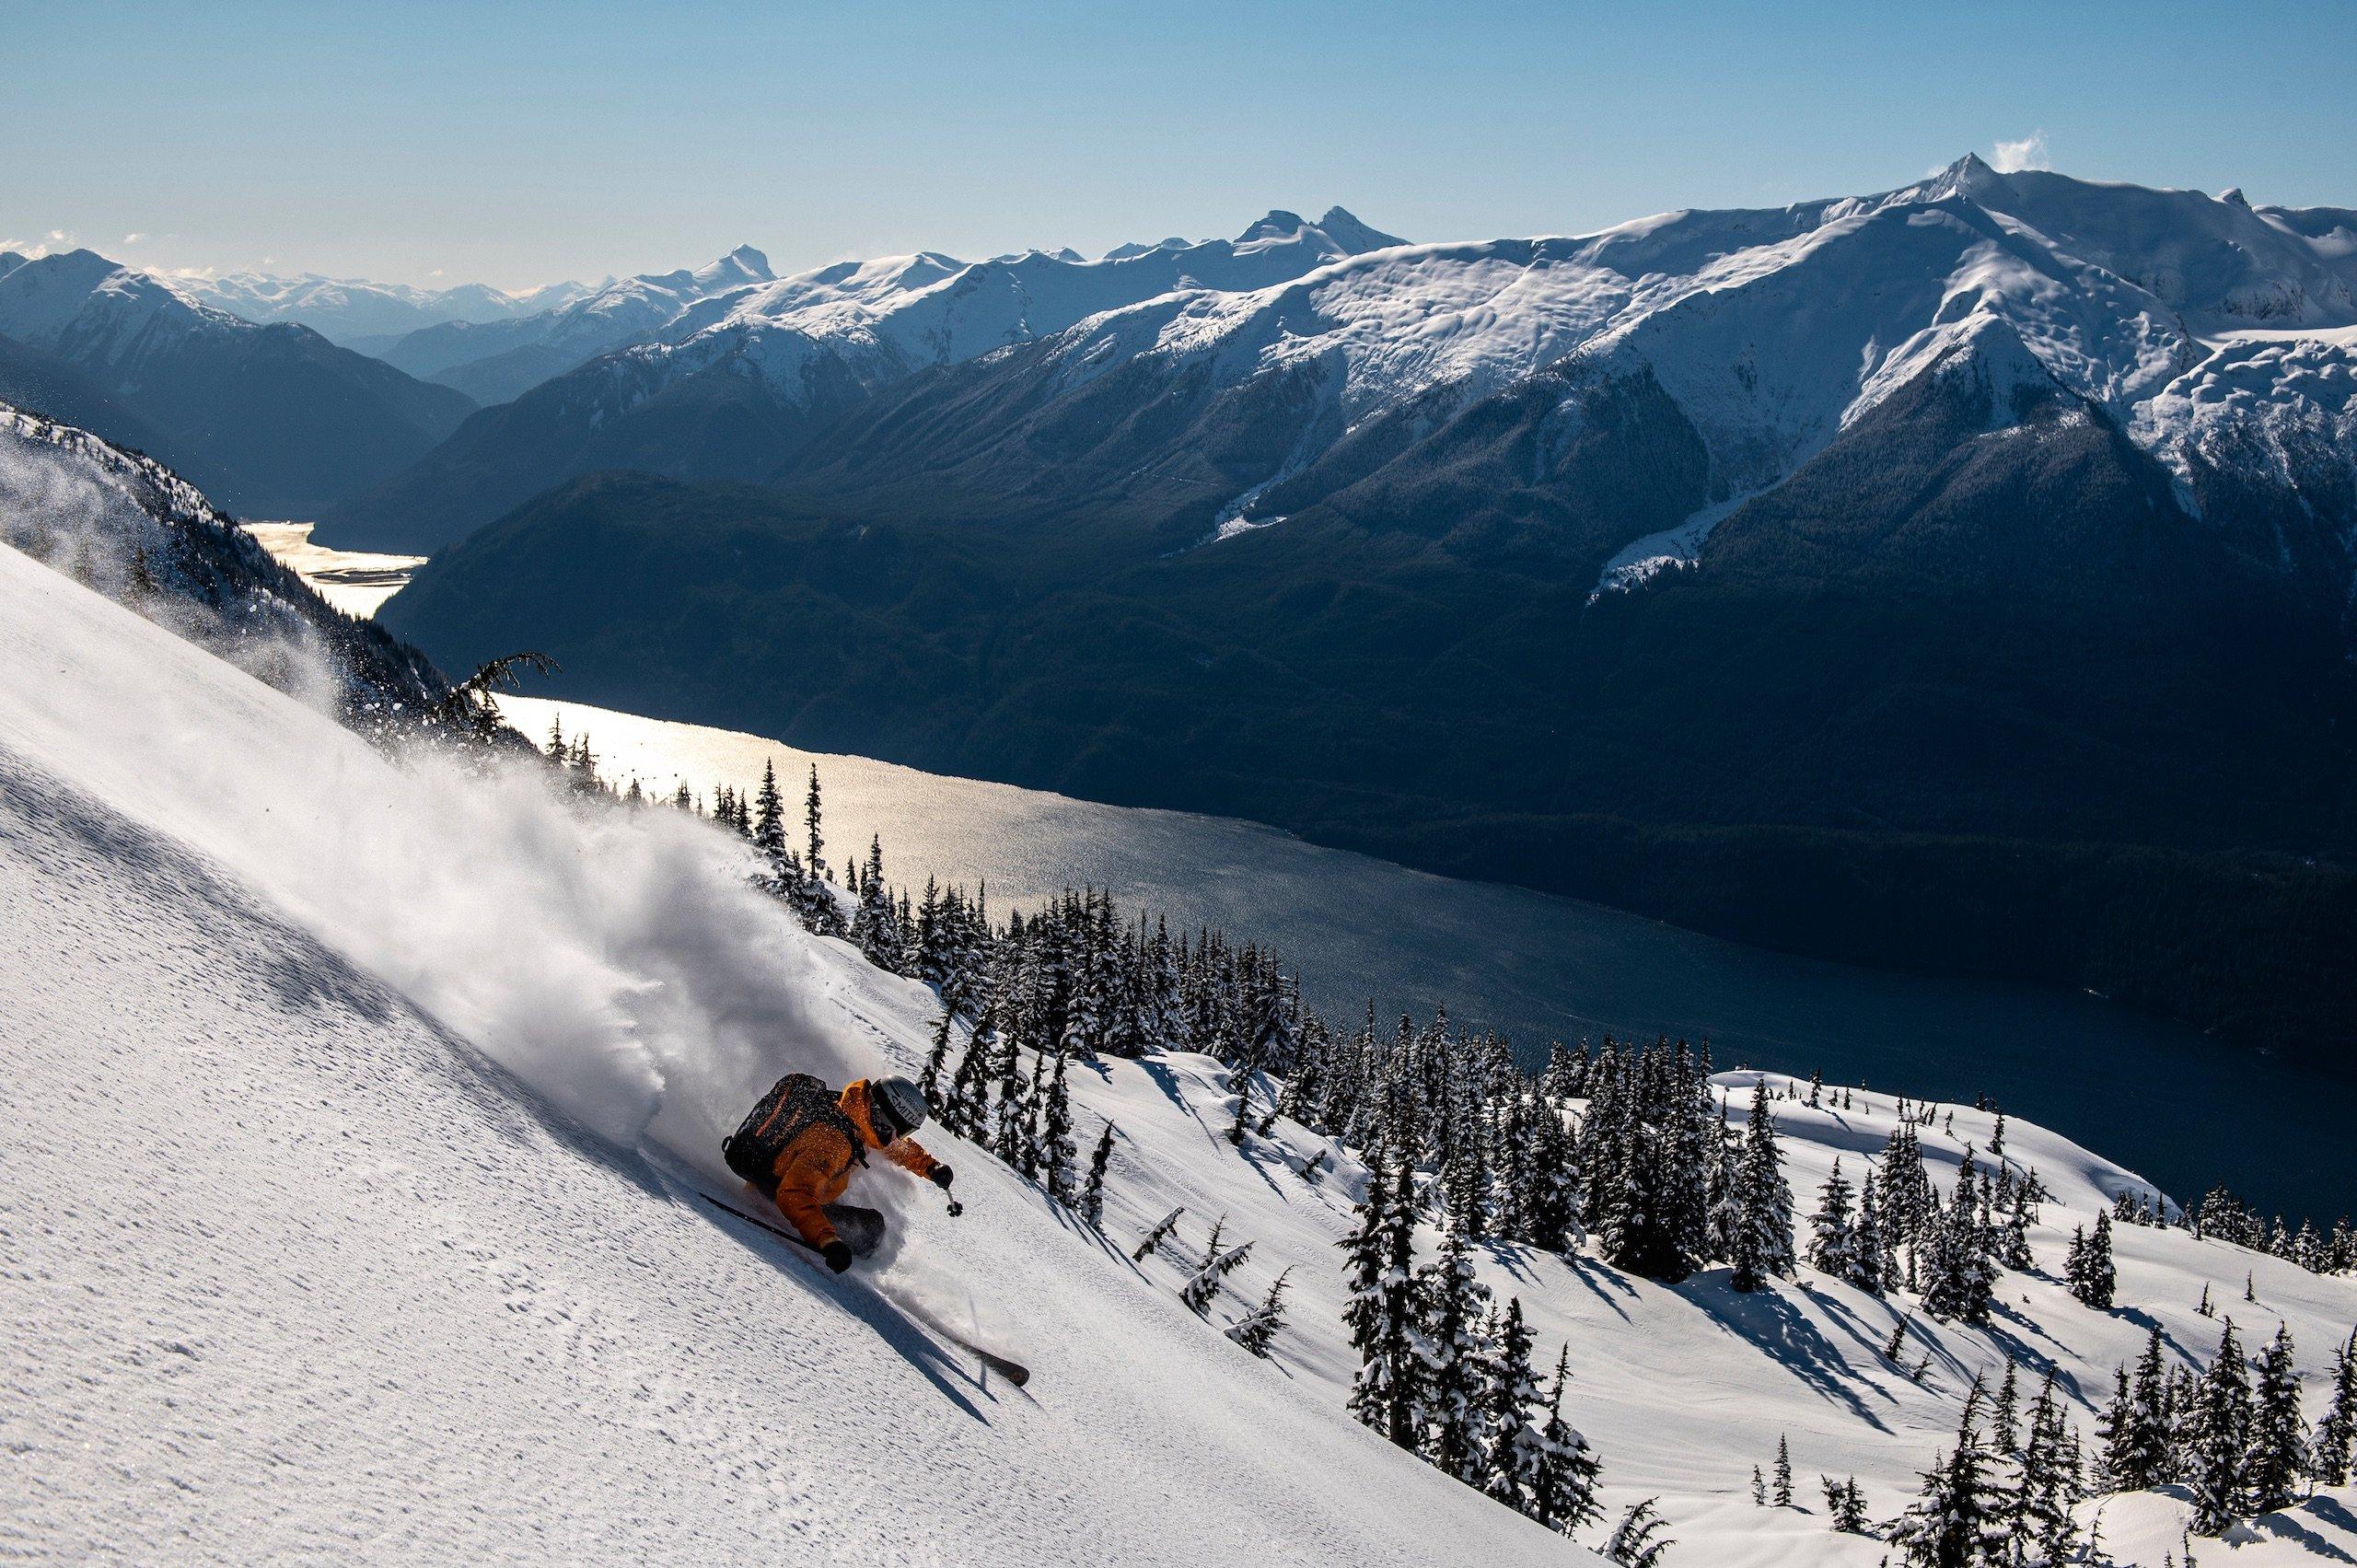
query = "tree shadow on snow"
x=2287 y=1526
x=1167 y=1082
x=1588 y=1275
x=1770 y=1321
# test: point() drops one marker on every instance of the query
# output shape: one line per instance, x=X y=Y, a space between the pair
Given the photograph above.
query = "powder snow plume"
x=615 y=961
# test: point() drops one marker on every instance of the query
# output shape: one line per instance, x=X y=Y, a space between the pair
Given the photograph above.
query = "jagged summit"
x=1968 y=177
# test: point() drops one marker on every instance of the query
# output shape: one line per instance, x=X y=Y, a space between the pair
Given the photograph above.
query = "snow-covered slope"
x=353 y=1116
x=1774 y=329
x=1765 y=332
x=357 y=1111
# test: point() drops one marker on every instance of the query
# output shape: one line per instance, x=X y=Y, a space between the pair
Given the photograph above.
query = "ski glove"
x=837 y=1255
x=941 y=1173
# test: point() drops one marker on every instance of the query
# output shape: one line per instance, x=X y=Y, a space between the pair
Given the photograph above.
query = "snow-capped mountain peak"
x=1337 y=232
x=741 y=266
x=1345 y=229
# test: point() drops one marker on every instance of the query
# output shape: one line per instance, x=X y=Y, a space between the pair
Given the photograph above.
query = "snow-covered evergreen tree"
x=2279 y=1438
x=1832 y=1245
x=1154 y=1238
x=1450 y=1301
x=769 y=830
x=1637 y=1541
x=1258 y=1329
x=1957 y=1520
x=2214 y=1438
x=1845 y=1505
x=968 y=1107
x=2006 y=1411
x=2048 y=1483
x=2088 y=1270
x=1958 y=1254
x=1871 y=1267
x=1561 y=1492
x=1217 y=1263
x=1381 y=1313
x=1510 y=1445
x=936 y=1062
x=1754 y=1220
x=1056 y=1151
x=2329 y=1458
x=2137 y=1452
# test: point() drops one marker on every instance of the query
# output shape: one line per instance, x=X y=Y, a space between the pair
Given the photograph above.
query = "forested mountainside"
x=125 y=526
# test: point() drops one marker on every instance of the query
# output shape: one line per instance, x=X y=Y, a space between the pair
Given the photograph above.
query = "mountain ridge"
x=271 y=419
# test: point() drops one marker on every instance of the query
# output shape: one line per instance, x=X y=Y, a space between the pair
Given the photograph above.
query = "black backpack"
x=793 y=1104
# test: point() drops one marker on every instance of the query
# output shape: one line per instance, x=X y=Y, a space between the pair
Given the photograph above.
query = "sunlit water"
x=2180 y=1108
x=356 y=581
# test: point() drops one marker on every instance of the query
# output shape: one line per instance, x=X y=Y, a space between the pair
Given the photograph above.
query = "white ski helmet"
x=899 y=1106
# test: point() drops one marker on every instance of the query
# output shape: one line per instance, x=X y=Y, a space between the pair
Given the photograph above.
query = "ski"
x=1013 y=1371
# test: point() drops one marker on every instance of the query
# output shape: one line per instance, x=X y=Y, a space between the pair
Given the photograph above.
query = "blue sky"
x=517 y=144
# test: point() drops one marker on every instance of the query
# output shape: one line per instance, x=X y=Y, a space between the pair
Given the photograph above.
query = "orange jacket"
x=813 y=1170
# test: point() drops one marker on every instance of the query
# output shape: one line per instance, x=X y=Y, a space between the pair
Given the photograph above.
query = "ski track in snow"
x=353 y=1109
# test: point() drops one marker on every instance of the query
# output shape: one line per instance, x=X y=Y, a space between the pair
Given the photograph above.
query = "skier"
x=800 y=1144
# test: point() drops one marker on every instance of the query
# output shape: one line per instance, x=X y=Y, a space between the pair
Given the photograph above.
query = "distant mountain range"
x=357 y=314
x=1956 y=576
x=730 y=370
x=270 y=420
x=493 y=361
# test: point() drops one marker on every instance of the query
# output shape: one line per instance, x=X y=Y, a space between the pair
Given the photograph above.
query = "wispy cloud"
x=134 y=237
x=2012 y=157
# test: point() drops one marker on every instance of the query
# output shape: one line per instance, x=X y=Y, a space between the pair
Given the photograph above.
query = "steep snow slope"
x=351 y=1111
x=355 y=1104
